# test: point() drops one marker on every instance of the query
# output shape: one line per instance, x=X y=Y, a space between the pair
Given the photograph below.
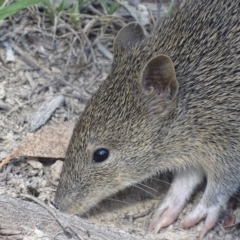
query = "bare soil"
x=49 y=62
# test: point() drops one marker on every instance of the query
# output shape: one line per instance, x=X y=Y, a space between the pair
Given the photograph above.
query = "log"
x=23 y=218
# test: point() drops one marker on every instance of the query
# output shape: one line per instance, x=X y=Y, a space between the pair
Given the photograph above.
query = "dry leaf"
x=48 y=142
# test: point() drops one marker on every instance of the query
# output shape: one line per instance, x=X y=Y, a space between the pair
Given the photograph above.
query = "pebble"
x=35 y=164
x=2 y=92
x=68 y=89
x=56 y=169
x=170 y=228
x=39 y=233
x=3 y=155
x=41 y=81
x=210 y=235
x=2 y=191
x=55 y=70
x=221 y=233
x=29 y=238
x=228 y=237
x=33 y=172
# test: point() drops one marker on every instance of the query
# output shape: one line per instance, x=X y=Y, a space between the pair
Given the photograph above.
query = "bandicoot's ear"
x=128 y=36
x=159 y=76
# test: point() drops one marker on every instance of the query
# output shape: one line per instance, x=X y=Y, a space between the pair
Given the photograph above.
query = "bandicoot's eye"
x=100 y=155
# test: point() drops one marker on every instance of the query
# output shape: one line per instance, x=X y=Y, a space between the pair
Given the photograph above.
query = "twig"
x=94 y=10
x=52 y=212
x=30 y=101
x=8 y=158
x=30 y=59
x=104 y=51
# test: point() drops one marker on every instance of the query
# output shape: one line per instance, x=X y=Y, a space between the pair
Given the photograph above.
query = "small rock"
x=38 y=233
x=210 y=235
x=3 y=155
x=10 y=57
x=55 y=70
x=33 y=172
x=43 y=182
x=68 y=89
x=2 y=92
x=199 y=227
x=29 y=238
x=170 y=228
x=35 y=74
x=221 y=233
x=143 y=14
x=56 y=169
x=2 y=191
x=41 y=81
x=24 y=94
x=21 y=74
x=35 y=164
x=9 y=136
x=228 y=237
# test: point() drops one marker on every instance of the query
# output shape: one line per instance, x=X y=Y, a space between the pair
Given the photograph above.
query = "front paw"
x=181 y=189
x=201 y=211
x=165 y=215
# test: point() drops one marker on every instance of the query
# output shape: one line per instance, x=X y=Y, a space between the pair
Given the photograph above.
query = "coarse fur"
x=148 y=128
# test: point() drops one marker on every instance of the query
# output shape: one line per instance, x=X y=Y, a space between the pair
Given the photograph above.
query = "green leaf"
x=16 y=7
x=50 y=10
x=113 y=8
x=1 y=2
x=75 y=14
x=61 y=7
x=104 y=5
x=170 y=7
x=82 y=3
x=109 y=10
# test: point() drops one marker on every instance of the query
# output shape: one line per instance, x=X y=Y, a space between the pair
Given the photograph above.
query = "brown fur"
x=149 y=132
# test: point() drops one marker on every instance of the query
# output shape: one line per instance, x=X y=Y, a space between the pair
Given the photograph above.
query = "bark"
x=22 y=218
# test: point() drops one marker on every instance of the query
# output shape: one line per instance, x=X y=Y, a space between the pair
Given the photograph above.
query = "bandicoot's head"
x=112 y=145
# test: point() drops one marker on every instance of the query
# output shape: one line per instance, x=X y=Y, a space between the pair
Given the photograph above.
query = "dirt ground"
x=62 y=61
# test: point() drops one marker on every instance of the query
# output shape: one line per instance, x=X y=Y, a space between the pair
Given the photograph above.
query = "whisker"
x=144 y=190
x=97 y=207
x=159 y=180
x=148 y=187
x=116 y=200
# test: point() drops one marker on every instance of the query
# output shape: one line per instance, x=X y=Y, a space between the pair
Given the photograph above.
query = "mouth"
x=72 y=205
x=67 y=206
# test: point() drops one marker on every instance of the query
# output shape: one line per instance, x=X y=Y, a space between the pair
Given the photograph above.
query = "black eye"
x=100 y=155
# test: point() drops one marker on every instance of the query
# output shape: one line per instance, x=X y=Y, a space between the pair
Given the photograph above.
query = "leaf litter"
x=68 y=61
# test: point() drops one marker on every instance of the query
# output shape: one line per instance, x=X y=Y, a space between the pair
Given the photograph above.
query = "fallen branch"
x=21 y=218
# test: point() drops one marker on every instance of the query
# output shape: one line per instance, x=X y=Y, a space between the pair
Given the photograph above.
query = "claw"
x=162 y=218
x=210 y=222
x=194 y=217
x=229 y=216
x=229 y=219
x=200 y=212
x=181 y=189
